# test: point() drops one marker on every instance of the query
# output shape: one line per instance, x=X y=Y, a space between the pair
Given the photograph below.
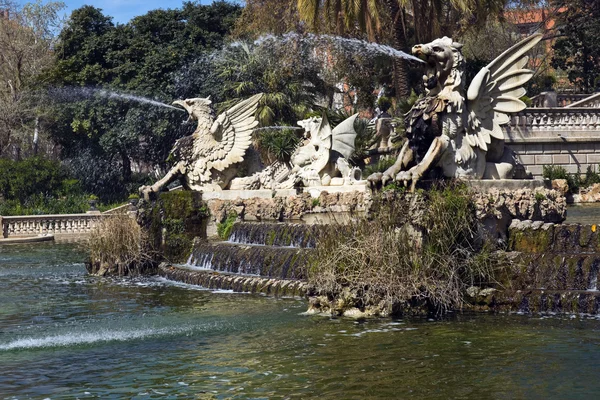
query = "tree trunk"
x=36 y=136
x=126 y=166
x=400 y=65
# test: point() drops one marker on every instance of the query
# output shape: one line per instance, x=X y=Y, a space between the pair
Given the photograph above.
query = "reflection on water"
x=66 y=335
x=587 y=213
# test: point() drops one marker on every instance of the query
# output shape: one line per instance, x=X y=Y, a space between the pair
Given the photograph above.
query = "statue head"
x=444 y=63
x=196 y=107
x=311 y=126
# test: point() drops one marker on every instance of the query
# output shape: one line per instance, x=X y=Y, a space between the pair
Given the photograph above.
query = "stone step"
x=542 y=301
x=554 y=238
x=264 y=261
x=223 y=281
x=552 y=271
x=275 y=234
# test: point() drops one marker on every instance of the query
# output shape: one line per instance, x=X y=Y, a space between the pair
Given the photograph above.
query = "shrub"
x=224 y=228
x=380 y=166
x=277 y=144
x=575 y=181
x=418 y=250
x=118 y=245
x=22 y=179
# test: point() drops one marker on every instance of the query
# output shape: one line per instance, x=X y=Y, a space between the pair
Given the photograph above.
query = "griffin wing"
x=233 y=132
x=495 y=91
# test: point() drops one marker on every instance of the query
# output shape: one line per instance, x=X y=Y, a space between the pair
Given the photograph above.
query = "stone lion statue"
x=457 y=130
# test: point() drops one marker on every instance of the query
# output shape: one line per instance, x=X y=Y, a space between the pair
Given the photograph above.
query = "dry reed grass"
x=118 y=246
x=423 y=250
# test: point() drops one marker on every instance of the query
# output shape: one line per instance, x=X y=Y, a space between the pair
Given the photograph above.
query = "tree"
x=577 y=50
x=267 y=17
x=26 y=40
x=427 y=18
x=149 y=56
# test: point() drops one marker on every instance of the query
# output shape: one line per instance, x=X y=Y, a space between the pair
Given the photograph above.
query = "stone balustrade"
x=553 y=99
x=555 y=124
x=569 y=137
x=65 y=224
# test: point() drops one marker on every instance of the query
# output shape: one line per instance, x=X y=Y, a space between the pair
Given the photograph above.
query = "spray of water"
x=73 y=93
x=355 y=45
x=277 y=128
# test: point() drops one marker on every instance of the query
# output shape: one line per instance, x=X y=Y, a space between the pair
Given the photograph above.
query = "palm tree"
x=429 y=19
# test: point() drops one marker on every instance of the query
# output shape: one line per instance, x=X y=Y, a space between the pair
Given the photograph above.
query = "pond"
x=585 y=213
x=67 y=335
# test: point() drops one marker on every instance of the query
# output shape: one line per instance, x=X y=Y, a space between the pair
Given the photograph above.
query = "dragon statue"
x=209 y=159
x=459 y=131
x=323 y=159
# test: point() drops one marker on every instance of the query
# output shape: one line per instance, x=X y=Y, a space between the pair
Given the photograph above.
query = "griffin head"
x=443 y=56
x=197 y=107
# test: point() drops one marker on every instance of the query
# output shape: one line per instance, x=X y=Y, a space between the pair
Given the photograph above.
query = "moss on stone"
x=173 y=221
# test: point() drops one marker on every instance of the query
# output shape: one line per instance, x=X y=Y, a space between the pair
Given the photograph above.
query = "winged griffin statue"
x=460 y=131
x=209 y=158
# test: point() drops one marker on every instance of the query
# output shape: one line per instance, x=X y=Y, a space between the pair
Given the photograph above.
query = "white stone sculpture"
x=323 y=159
x=460 y=131
x=208 y=159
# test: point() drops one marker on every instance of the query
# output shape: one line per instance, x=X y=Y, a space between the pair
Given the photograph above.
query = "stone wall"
x=569 y=137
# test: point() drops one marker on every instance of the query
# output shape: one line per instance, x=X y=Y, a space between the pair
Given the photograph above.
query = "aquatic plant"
x=118 y=246
x=419 y=251
x=224 y=228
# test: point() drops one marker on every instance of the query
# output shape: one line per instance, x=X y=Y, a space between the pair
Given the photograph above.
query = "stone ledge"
x=248 y=194
x=486 y=185
x=237 y=283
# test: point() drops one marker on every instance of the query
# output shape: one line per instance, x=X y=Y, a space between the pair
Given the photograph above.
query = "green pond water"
x=65 y=335
x=586 y=213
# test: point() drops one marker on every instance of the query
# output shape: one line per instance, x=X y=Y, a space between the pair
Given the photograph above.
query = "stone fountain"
x=278 y=208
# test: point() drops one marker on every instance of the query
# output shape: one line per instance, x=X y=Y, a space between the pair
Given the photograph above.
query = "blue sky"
x=123 y=10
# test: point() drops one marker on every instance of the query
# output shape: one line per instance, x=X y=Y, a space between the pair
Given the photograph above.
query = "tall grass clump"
x=118 y=246
x=418 y=252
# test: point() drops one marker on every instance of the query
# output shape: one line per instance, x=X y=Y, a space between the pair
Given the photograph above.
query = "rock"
x=591 y=194
x=561 y=186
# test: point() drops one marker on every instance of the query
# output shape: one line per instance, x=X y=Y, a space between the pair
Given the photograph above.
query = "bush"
x=277 y=144
x=380 y=166
x=419 y=250
x=118 y=246
x=33 y=176
x=575 y=181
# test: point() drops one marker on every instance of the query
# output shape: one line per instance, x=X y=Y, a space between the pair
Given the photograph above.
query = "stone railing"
x=553 y=99
x=65 y=224
x=592 y=101
x=554 y=124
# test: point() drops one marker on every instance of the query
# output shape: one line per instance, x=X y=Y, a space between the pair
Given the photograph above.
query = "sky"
x=122 y=10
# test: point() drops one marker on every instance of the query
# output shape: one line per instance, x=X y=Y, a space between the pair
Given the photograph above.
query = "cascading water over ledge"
x=269 y=234
x=264 y=261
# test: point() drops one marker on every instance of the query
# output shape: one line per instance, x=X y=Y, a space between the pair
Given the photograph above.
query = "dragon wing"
x=495 y=92
x=344 y=136
x=233 y=132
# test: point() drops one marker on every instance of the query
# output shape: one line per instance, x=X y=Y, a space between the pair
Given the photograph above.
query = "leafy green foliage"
x=577 y=50
x=103 y=135
x=291 y=86
x=575 y=181
x=224 y=228
x=39 y=186
x=277 y=144
x=22 y=179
